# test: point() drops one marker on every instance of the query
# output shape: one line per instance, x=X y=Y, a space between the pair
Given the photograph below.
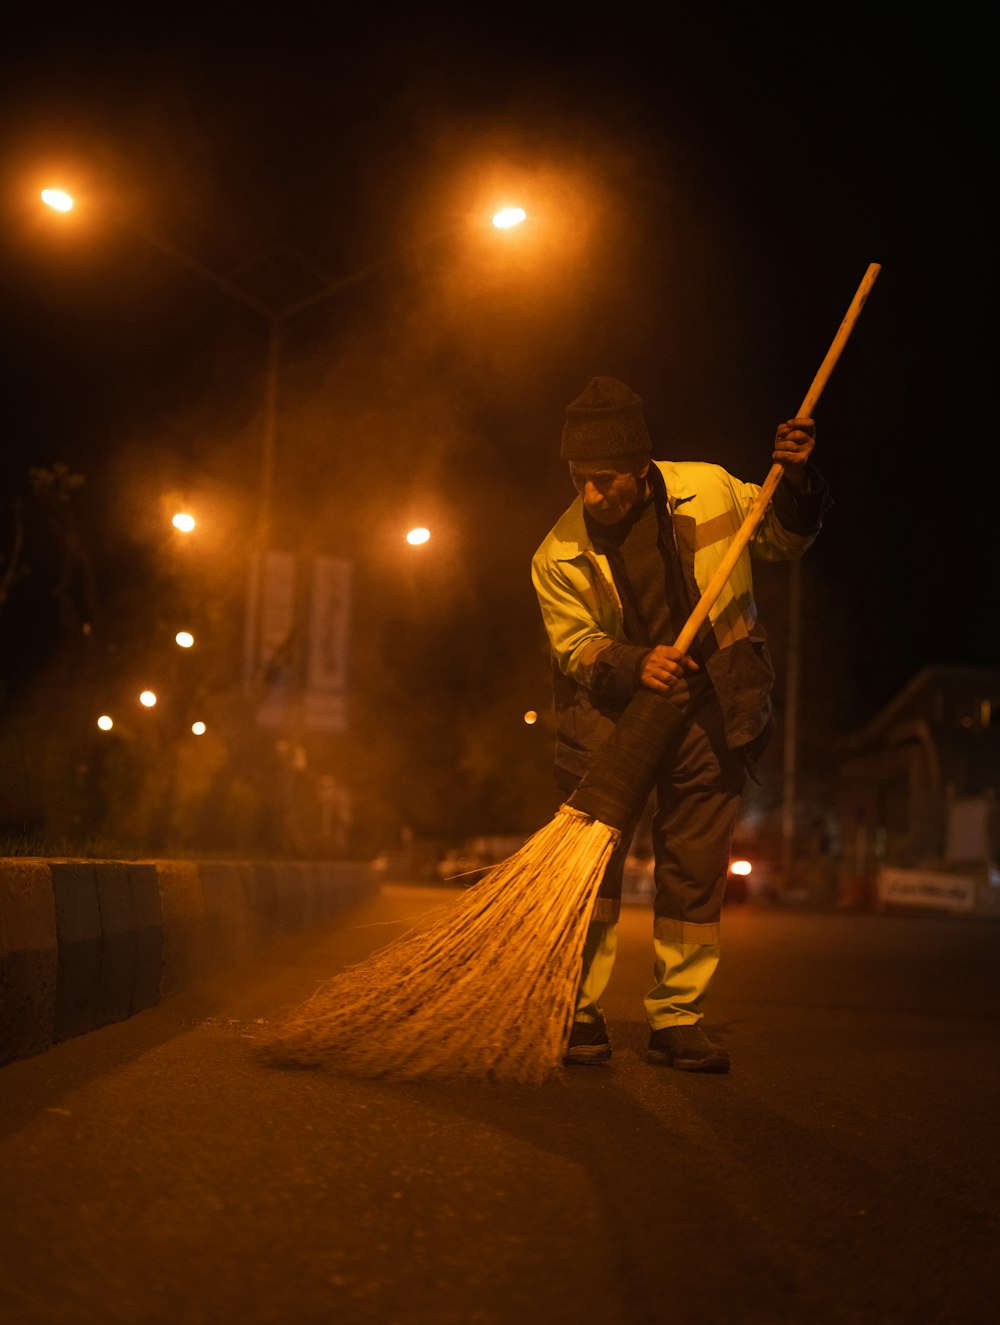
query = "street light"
x=58 y=200
x=507 y=217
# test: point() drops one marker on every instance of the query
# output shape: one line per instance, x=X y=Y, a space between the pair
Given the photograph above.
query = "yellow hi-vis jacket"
x=595 y=666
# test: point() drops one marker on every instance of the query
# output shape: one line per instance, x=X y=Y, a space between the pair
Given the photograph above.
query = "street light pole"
x=274 y=319
x=269 y=438
x=791 y=727
x=276 y=322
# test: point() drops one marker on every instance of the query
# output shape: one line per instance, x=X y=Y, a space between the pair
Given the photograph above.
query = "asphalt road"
x=845 y=1172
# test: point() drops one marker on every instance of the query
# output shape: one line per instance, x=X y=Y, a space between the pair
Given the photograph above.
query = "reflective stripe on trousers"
x=682 y=971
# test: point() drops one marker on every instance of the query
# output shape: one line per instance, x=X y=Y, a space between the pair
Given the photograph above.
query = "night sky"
x=706 y=187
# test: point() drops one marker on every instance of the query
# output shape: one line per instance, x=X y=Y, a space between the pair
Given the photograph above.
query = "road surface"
x=844 y=1173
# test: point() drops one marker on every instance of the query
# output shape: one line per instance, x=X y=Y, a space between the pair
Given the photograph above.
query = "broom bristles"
x=483 y=988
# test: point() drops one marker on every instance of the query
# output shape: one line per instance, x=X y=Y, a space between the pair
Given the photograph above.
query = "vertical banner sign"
x=324 y=706
x=271 y=645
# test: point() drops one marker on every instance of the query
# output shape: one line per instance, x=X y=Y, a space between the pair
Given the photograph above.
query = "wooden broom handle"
x=753 y=518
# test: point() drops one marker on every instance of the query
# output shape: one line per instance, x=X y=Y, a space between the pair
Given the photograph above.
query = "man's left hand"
x=793 y=445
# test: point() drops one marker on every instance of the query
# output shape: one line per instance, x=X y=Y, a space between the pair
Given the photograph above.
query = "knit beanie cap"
x=606 y=419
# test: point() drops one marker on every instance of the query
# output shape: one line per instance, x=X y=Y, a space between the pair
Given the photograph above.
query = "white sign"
x=270 y=643
x=297 y=643
x=325 y=696
x=950 y=892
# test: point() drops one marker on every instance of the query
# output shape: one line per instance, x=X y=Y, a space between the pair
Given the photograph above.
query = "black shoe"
x=588 y=1043
x=687 y=1048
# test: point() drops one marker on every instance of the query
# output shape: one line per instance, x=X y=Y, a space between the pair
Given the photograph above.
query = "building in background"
x=916 y=801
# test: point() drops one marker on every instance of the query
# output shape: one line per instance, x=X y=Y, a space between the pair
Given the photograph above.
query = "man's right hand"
x=663 y=666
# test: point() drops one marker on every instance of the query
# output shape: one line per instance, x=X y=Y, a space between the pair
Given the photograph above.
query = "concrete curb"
x=84 y=943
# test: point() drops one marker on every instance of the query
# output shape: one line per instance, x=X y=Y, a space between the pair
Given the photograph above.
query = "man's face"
x=609 y=488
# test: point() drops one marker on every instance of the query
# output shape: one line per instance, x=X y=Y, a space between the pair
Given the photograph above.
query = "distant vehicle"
x=460 y=866
x=637 y=878
x=738 y=880
x=751 y=874
x=466 y=864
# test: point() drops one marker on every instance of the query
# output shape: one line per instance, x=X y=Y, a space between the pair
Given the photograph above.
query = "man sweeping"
x=616 y=578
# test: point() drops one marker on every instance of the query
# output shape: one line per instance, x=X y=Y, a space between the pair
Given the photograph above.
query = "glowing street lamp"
x=147 y=699
x=184 y=638
x=417 y=536
x=105 y=723
x=508 y=217
x=58 y=199
x=198 y=728
x=183 y=522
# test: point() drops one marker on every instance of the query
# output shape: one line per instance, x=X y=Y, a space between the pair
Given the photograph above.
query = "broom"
x=485 y=987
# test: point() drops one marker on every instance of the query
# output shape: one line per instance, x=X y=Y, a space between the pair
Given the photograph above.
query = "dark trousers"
x=698 y=795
